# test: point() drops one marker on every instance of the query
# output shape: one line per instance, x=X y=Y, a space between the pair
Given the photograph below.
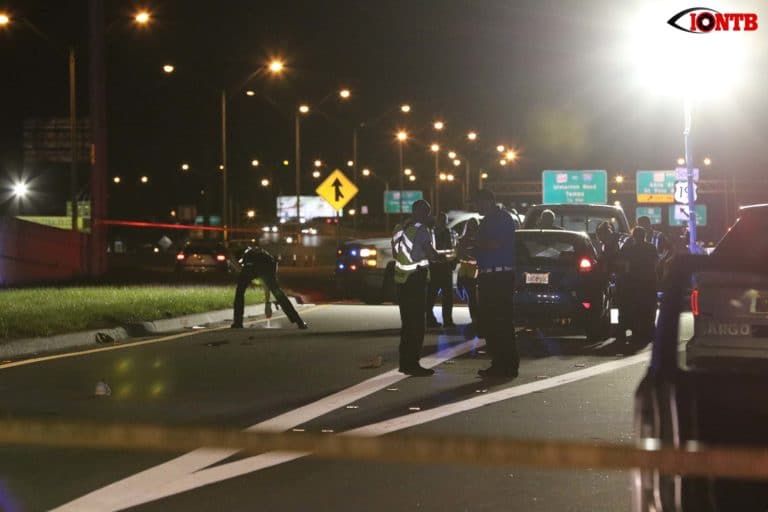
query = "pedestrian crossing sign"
x=337 y=189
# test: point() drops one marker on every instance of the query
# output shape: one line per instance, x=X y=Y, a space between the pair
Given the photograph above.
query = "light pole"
x=435 y=148
x=402 y=136
x=302 y=110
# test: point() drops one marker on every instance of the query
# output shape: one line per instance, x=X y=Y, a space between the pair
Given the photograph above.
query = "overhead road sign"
x=681 y=174
x=681 y=192
x=337 y=189
x=392 y=200
x=655 y=186
x=652 y=212
x=575 y=187
x=679 y=214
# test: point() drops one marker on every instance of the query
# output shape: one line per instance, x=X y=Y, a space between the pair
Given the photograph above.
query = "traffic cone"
x=102 y=389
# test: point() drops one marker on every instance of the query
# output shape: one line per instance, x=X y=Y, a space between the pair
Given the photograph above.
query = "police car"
x=365 y=268
x=730 y=307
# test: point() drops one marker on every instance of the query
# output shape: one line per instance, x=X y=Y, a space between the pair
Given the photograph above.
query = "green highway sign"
x=652 y=212
x=392 y=200
x=656 y=186
x=577 y=187
x=678 y=214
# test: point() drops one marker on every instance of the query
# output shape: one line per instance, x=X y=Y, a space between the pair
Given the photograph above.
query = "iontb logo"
x=702 y=20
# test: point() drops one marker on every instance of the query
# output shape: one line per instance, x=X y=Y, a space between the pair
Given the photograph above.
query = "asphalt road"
x=280 y=378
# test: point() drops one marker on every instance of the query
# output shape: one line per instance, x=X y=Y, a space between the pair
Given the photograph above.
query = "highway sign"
x=337 y=189
x=655 y=186
x=681 y=173
x=576 y=187
x=392 y=200
x=681 y=192
x=678 y=214
x=652 y=212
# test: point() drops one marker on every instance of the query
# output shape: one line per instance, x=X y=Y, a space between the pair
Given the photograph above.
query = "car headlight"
x=366 y=252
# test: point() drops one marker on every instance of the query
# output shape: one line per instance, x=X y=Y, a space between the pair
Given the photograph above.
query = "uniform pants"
x=270 y=280
x=640 y=309
x=469 y=286
x=496 y=291
x=441 y=278
x=411 y=298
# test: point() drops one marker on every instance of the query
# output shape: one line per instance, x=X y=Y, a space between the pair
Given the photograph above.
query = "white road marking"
x=186 y=472
x=248 y=465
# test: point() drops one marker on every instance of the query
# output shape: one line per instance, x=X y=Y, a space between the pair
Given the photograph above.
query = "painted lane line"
x=271 y=459
x=151 y=341
x=188 y=469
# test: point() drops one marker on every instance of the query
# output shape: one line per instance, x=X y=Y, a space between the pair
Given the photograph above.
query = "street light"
x=184 y=167
x=20 y=190
x=451 y=154
x=619 y=178
x=405 y=108
x=511 y=155
x=116 y=179
x=500 y=148
x=408 y=172
x=276 y=66
x=4 y=19
x=439 y=125
x=483 y=175
x=366 y=172
x=502 y=162
x=142 y=18
x=316 y=174
x=434 y=148
x=345 y=94
x=168 y=69
x=472 y=136
x=254 y=163
x=318 y=163
x=264 y=182
x=707 y=161
x=304 y=109
x=350 y=163
x=456 y=162
x=144 y=179
x=250 y=214
x=681 y=161
x=411 y=178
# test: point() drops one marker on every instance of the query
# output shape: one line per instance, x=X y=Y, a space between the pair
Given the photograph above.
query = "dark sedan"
x=201 y=257
x=559 y=284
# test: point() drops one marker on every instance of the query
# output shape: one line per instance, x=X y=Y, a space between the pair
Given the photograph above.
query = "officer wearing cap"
x=413 y=248
x=496 y=283
x=258 y=263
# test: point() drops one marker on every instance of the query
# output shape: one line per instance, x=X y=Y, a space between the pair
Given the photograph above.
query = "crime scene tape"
x=695 y=460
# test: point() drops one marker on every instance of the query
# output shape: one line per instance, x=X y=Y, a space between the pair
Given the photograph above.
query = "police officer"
x=441 y=273
x=412 y=247
x=496 y=283
x=258 y=263
x=659 y=241
x=638 y=258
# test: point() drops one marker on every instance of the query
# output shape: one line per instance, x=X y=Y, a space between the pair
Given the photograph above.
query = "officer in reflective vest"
x=413 y=248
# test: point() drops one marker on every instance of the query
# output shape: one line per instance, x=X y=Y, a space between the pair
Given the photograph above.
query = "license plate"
x=531 y=278
x=761 y=304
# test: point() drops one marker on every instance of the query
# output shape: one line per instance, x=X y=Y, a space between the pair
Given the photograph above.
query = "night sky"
x=545 y=76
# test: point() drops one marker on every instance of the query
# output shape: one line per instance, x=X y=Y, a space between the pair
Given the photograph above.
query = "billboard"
x=311 y=207
x=575 y=187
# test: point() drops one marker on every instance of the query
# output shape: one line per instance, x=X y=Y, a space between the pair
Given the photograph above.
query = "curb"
x=35 y=346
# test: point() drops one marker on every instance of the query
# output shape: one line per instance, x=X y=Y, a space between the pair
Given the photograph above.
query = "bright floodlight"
x=316 y=174
x=250 y=214
x=304 y=109
x=439 y=125
x=366 y=172
x=168 y=69
x=402 y=136
x=142 y=17
x=4 y=19
x=457 y=162
x=511 y=155
x=435 y=147
x=405 y=108
x=184 y=167
x=672 y=61
x=411 y=178
x=619 y=179
x=408 y=171
x=350 y=163
x=484 y=176
x=472 y=136
x=144 y=179
x=20 y=190
x=345 y=94
x=681 y=161
x=500 y=148
x=318 y=163
x=116 y=179
x=707 y=161
x=451 y=154
x=265 y=182
x=503 y=162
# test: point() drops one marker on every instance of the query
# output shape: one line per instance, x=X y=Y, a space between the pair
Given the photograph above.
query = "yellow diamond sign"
x=337 y=189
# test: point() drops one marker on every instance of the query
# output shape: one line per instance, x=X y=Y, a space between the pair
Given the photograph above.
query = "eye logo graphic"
x=702 y=20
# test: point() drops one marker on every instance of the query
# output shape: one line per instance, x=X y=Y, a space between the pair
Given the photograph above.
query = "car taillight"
x=220 y=257
x=585 y=265
x=586 y=305
x=353 y=267
x=695 y=302
x=180 y=256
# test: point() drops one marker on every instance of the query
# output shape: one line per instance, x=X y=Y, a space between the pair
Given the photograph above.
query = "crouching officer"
x=258 y=263
x=412 y=247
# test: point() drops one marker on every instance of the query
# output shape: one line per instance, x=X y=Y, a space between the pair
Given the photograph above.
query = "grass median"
x=33 y=312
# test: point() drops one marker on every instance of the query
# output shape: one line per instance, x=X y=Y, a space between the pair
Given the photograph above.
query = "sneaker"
x=302 y=325
x=496 y=372
x=417 y=371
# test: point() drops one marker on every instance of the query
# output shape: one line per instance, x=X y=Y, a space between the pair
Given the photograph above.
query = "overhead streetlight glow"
x=613 y=191
x=184 y=167
x=144 y=179
x=511 y=155
x=116 y=179
x=402 y=136
x=318 y=163
x=142 y=17
x=407 y=171
x=345 y=94
x=350 y=163
x=250 y=214
x=457 y=162
x=20 y=190
x=442 y=176
x=472 y=136
x=435 y=148
x=411 y=178
x=304 y=109
x=265 y=182
x=366 y=172
x=221 y=167
x=619 y=179
x=254 y=163
x=276 y=66
x=450 y=177
x=286 y=163
x=4 y=19
x=503 y=162
x=316 y=174
x=250 y=93
x=439 y=125
x=484 y=176
x=405 y=108
x=451 y=154
x=168 y=69
x=500 y=148
x=681 y=161
x=707 y=161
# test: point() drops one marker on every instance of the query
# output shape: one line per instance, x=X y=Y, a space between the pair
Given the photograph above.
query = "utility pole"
x=692 y=247
x=297 y=156
x=98 y=248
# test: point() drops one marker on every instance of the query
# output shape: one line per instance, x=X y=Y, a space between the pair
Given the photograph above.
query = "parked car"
x=696 y=407
x=731 y=308
x=199 y=256
x=558 y=284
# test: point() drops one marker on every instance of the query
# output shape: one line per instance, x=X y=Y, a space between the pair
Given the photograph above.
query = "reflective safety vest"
x=402 y=246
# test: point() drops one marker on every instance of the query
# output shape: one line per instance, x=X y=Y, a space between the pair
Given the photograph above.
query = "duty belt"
x=496 y=269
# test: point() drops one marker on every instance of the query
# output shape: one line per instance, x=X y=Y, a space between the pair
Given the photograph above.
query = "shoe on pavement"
x=236 y=326
x=417 y=371
x=496 y=372
x=301 y=324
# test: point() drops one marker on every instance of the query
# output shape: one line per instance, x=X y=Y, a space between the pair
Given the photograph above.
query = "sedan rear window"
x=548 y=249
